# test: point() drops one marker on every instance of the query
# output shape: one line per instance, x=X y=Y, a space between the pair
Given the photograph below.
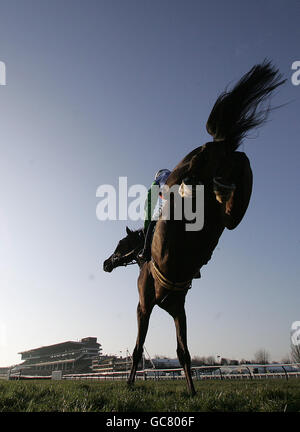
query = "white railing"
x=230 y=372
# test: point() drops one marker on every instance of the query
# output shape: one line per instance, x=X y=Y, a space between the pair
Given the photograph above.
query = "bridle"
x=119 y=260
x=122 y=260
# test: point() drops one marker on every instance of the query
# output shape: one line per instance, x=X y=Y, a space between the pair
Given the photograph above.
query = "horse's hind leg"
x=182 y=349
x=143 y=323
x=176 y=309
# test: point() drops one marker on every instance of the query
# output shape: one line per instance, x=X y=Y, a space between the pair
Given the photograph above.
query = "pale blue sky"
x=101 y=89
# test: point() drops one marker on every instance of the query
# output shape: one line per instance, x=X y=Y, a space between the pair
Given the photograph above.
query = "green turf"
x=162 y=396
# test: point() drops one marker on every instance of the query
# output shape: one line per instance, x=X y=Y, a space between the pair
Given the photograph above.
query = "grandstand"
x=69 y=357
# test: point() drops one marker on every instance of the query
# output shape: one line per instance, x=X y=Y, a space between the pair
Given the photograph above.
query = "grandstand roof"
x=63 y=346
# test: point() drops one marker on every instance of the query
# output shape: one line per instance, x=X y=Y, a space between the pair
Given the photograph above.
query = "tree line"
x=261 y=356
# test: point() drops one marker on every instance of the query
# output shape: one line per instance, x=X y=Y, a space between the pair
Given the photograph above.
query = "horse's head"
x=125 y=251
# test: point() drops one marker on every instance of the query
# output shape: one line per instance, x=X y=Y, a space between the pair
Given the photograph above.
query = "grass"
x=162 y=396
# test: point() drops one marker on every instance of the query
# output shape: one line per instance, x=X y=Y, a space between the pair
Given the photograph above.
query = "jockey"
x=154 y=196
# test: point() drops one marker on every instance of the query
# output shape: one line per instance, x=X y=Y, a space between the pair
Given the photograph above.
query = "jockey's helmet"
x=161 y=172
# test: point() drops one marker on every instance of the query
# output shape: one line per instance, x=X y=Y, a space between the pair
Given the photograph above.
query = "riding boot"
x=146 y=252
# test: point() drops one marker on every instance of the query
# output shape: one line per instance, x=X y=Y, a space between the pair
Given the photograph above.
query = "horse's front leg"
x=144 y=309
x=143 y=323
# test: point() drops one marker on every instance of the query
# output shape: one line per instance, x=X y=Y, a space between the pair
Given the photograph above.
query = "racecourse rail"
x=221 y=372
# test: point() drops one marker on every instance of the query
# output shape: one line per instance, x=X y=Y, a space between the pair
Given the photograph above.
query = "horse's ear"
x=237 y=205
x=128 y=231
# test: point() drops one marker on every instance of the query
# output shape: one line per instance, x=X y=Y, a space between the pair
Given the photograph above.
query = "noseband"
x=124 y=260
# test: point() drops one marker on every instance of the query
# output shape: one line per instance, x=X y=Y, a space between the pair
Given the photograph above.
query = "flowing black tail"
x=237 y=111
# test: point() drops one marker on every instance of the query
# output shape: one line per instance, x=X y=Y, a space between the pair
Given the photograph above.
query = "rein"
x=166 y=283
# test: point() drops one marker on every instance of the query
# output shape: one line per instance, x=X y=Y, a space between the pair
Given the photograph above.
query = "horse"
x=226 y=175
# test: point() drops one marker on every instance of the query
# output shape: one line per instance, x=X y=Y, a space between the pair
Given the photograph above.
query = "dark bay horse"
x=177 y=254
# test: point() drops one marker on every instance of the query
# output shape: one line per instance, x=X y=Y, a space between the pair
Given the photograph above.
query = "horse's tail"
x=236 y=111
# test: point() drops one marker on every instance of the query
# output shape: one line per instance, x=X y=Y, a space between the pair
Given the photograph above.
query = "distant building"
x=107 y=364
x=69 y=357
x=225 y=361
x=4 y=371
x=165 y=363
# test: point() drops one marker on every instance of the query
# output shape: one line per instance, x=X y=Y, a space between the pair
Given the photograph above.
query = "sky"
x=100 y=89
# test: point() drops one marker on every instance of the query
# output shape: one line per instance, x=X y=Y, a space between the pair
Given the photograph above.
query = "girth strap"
x=166 y=283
